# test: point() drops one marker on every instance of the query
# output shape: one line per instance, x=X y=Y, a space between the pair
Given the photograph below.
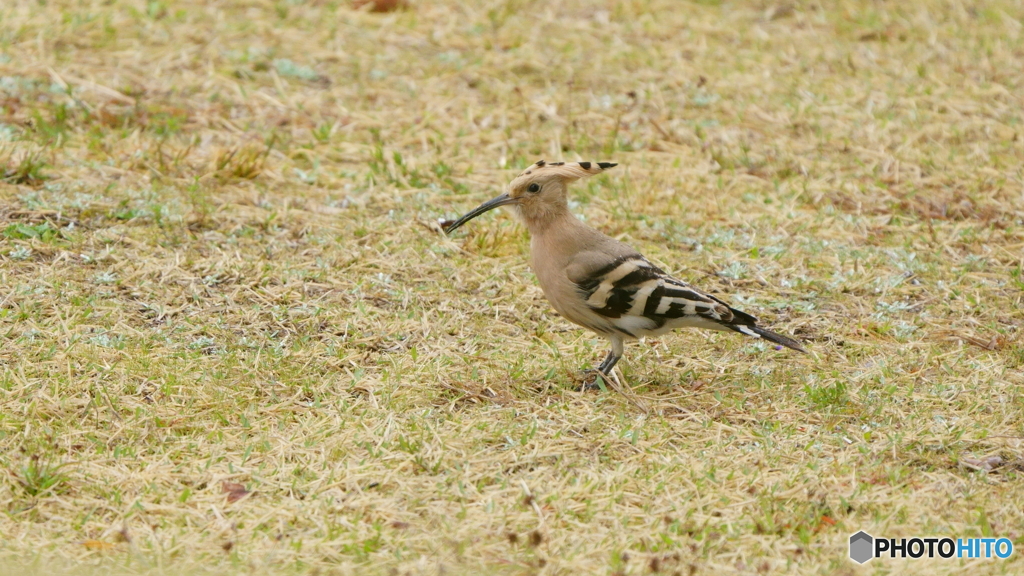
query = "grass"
x=234 y=340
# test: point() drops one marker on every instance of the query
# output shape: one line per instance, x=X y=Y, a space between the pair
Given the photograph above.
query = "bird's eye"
x=533 y=187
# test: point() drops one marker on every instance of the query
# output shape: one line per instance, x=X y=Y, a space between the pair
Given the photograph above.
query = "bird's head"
x=539 y=192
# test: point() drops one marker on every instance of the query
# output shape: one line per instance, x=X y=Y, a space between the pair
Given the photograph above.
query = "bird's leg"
x=604 y=370
x=609 y=362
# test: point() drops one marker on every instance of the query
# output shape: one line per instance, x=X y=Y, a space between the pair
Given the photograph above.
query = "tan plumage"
x=598 y=282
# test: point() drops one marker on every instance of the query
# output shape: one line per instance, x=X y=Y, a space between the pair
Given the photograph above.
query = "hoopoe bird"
x=602 y=284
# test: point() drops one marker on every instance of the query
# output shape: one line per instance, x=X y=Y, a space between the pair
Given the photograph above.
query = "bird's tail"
x=768 y=335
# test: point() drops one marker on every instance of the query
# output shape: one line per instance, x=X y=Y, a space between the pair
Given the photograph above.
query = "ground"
x=235 y=341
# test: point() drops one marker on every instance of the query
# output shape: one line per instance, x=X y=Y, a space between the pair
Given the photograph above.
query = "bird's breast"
x=566 y=298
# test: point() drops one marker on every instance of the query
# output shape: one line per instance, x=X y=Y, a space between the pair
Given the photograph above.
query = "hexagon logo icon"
x=861 y=547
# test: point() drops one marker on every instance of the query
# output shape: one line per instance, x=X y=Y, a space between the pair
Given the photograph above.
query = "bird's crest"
x=567 y=170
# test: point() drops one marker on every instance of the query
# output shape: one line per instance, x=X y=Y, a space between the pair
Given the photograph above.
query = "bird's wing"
x=630 y=286
x=638 y=298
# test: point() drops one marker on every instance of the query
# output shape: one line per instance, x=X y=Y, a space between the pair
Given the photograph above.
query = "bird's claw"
x=594 y=379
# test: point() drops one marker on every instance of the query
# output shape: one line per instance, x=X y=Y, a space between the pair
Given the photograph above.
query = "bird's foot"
x=594 y=379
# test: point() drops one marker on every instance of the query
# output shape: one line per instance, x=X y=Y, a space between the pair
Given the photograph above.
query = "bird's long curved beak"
x=503 y=200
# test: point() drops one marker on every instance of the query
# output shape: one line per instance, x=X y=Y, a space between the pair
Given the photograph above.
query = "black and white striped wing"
x=640 y=299
x=631 y=289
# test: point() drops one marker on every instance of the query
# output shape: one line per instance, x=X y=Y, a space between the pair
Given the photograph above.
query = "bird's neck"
x=561 y=233
x=545 y=219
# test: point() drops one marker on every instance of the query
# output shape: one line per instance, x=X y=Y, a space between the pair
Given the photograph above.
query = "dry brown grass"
x=234 y=340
